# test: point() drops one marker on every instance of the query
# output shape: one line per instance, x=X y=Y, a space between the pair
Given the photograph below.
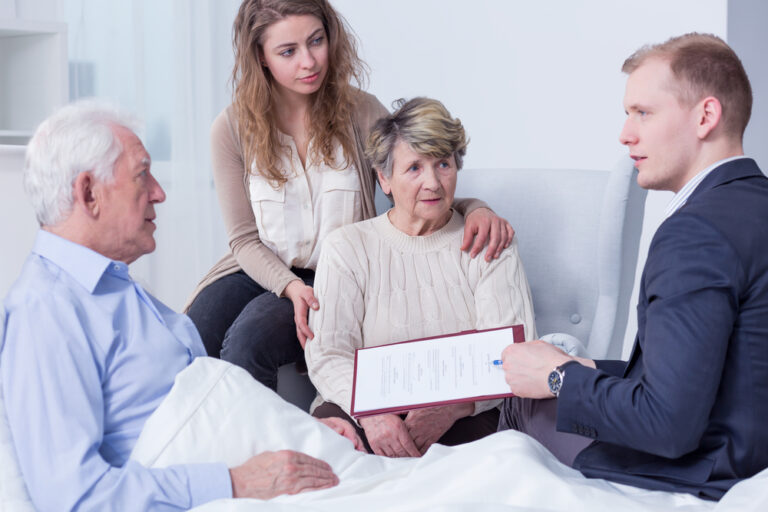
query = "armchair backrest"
x=578 y=233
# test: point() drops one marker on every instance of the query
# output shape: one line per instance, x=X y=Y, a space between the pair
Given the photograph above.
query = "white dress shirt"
x=684 y=193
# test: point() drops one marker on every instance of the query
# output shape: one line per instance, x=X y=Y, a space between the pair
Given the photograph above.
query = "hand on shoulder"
x=483 y=226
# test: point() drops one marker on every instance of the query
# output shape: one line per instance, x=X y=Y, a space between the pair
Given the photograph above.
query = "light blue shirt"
x=684 y=193
x=87 y=356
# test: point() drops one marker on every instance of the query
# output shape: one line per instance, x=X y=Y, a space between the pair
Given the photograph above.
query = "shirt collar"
x=83 y=264
x=684 y=193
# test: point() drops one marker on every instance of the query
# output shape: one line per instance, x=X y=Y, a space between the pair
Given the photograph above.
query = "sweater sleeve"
x=467 y=206
x=503 y=297
x=337 y=324
x=256 y=259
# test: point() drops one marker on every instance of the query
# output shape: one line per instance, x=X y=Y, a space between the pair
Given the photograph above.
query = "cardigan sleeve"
x=229 y=175
x=337 y=324
x=503 y=297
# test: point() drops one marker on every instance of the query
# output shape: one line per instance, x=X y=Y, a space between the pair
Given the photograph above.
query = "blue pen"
x=497 y=362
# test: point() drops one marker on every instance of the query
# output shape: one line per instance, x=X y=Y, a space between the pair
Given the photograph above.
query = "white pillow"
x=217 y=412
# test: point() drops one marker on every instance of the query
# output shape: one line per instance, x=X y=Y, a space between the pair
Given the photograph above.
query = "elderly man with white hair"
x=88 y=354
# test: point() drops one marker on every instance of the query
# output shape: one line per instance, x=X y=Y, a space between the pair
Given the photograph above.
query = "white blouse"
x=294 y=219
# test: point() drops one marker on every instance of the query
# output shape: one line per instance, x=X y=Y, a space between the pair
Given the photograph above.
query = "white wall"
x=536 y=84
x=748 y=37
x=18 y=219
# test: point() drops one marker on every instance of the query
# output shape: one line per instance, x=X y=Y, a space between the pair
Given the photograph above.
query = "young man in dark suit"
x=688 y=411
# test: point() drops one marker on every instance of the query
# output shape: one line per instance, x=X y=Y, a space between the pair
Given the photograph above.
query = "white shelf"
x=33 y=83
x=16 y=27
x=34 y=78
x=15 y=137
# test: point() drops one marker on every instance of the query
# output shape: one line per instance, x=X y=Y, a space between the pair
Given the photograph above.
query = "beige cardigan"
x=426 y=286
x=230 y=177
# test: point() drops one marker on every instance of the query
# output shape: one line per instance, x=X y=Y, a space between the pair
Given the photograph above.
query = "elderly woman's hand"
x=428 y=425
x=344 y=429
x=485 y=226
x=388 y=436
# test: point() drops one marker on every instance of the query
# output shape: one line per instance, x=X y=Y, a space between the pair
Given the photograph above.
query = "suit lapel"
x=729 y=171
x=725 y=173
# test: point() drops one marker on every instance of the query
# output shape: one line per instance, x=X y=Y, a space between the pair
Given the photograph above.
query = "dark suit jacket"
x=689 y=410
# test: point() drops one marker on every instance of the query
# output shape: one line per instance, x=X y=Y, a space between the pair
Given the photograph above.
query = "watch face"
x=555 y=381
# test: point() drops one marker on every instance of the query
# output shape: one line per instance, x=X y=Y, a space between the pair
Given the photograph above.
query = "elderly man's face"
x=126 y=206
x=422 y=188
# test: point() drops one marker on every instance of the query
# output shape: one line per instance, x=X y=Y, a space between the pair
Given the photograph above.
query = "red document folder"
x=466 y=353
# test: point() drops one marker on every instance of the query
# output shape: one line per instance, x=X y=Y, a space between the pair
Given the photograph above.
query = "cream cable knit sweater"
x=376 y=286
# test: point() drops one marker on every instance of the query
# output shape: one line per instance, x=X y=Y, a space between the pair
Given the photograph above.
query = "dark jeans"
x=241 y=322
x=538 y=419
x=465 y=430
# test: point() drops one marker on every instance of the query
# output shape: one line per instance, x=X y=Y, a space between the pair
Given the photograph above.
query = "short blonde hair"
x=422 y=123
x=704 y=65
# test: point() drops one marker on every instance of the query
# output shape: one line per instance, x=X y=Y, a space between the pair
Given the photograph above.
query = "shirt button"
x=116 y=267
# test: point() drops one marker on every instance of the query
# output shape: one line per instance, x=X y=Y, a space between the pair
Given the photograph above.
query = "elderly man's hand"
x=388 y=436
x=485 y=226
x=303 y=298
x=428 y=425
x=271 y=474
x=528 y=365
x=344 y=429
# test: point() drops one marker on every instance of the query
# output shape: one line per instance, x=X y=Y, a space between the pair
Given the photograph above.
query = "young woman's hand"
x=303 y=298
x=485 y=226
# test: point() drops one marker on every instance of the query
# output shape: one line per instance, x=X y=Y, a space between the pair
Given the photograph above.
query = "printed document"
x=433 y=371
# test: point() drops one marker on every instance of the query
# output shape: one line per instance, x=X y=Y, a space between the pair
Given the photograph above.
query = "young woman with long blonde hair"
x=289 y=167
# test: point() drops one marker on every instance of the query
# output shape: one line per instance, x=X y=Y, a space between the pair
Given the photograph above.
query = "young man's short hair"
x=704 y=65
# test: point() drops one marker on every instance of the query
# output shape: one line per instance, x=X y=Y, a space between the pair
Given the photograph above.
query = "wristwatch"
x=557 y=376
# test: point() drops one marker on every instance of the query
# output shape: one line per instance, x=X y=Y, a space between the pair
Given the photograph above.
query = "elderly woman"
x=401 y=276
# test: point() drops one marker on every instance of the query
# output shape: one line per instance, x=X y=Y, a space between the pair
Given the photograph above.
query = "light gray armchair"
x=578 y=233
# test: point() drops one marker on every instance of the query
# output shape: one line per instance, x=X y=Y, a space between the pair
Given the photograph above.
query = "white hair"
x=78 y=137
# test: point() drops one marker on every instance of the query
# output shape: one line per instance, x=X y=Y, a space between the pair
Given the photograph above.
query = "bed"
x=217 y=412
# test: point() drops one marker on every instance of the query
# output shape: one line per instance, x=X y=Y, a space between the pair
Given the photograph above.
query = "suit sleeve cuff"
x=570 y=413
x=611 y=367
x=208 y=482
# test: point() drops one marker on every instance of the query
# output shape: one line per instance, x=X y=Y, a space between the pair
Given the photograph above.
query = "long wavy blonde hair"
x=331 y=106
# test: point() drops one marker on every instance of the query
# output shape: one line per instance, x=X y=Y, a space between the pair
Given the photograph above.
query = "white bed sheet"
x=217 y=412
